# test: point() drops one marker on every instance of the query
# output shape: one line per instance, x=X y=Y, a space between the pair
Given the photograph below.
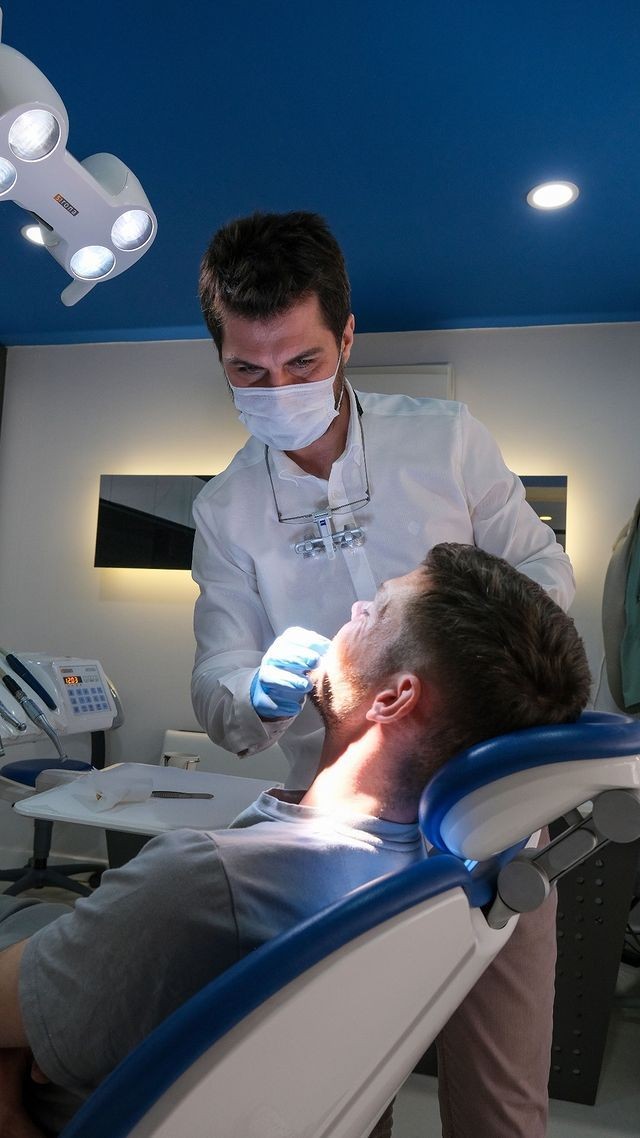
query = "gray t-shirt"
x=95 y=982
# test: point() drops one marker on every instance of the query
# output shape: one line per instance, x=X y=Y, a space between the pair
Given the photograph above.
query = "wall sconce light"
x=94 y=216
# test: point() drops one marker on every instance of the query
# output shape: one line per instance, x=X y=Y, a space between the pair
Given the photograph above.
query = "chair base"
x=36 y=877
x=37 y=872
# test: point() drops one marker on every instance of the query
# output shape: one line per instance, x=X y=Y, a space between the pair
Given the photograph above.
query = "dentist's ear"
x=347 y=338
x=397 y=700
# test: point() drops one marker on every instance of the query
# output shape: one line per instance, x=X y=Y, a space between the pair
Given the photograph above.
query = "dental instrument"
x=10 y=718
x=33 y=712
x=21 y=670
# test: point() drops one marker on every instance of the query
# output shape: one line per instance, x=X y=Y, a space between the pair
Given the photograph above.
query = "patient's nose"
x=357 y=608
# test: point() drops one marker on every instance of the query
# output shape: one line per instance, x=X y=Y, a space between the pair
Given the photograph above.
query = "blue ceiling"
x=415 y=127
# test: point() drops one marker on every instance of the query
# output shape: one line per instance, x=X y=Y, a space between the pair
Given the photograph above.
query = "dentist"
x=334 y=492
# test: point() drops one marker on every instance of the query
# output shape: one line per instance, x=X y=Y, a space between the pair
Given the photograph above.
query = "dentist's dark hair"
x=259 y=266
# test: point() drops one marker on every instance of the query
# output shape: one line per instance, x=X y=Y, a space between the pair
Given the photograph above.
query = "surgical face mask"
x=289 y=417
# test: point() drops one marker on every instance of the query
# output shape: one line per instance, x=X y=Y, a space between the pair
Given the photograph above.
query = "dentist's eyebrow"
x=237 y=360
x=297 y=356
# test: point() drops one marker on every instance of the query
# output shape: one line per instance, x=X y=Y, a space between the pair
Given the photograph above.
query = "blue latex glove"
x=280 y=686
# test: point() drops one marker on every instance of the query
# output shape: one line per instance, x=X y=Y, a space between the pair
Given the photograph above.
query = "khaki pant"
x=494 y=1053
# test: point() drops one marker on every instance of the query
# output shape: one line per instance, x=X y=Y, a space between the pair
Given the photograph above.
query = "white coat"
x=434 y=474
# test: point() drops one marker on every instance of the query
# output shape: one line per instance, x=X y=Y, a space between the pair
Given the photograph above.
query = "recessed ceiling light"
x=33 y=233
x=552 y=195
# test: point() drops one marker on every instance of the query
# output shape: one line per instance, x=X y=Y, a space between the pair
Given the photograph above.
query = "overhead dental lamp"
x=94 y=216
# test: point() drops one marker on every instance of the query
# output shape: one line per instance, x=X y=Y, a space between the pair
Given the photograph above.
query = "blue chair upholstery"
x=26 y=771
x=355 y=993
x=38 y=872
x=178 y=1042
x=597 y=736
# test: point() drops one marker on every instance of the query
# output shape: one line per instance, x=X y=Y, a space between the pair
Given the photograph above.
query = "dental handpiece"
x=9 y=717
x=21 y=670
x=33 y=712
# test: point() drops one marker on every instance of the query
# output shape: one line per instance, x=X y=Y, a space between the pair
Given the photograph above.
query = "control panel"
x=86 y=694
x=74 y=694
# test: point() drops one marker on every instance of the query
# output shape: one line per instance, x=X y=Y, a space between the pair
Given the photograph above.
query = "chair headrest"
x=500 y=791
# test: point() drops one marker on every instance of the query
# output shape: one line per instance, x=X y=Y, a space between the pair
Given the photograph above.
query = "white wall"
x=72 y=414
x=559 y=401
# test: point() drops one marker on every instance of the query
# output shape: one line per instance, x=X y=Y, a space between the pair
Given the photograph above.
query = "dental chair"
x=313 y=1033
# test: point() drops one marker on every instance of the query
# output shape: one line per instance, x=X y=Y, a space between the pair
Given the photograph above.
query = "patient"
x=461 y=649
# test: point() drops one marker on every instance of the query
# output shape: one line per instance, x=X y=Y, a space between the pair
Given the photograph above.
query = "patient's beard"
x=335 y=706
x=321 y=696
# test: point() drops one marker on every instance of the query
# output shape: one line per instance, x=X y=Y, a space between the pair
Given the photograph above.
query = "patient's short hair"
x=501 y=653
x=261 y=265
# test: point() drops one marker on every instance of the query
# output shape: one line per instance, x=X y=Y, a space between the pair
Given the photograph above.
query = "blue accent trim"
x=596 y=735
x=139 y=1081
x=199 y=332
x=26 y=771
x=105 y=336
x=525 y=320
x=484 y=874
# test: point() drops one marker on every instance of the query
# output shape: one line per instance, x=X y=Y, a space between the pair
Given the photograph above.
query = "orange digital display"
x=72 y=679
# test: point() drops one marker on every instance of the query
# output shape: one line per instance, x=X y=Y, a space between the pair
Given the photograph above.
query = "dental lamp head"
x=94 y=216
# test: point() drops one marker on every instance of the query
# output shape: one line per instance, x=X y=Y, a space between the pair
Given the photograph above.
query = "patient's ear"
x=398 y=699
